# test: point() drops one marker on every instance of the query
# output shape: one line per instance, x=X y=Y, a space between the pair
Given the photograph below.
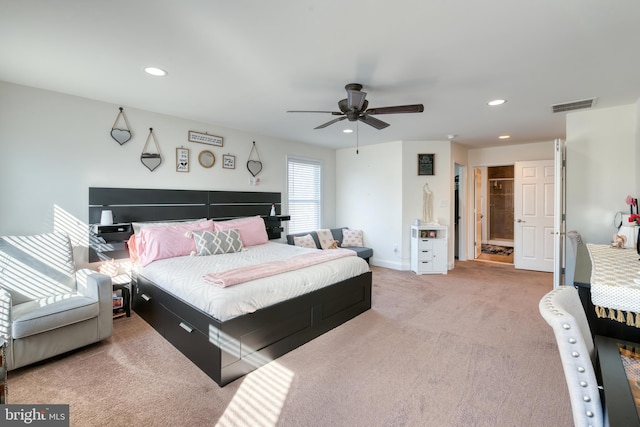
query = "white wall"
x=441 y=185
x=602 y=158
x=54 y=147
x=369 y=198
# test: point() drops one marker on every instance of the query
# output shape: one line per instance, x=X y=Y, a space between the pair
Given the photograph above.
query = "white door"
x=477 y=185
x=534 y=213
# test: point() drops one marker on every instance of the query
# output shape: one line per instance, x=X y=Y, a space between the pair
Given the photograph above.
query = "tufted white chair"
x=563 y=311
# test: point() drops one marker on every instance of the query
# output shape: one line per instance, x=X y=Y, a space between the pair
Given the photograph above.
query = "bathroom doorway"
x=501 y=220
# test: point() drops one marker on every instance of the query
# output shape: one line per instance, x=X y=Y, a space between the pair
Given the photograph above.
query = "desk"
x=618 y=395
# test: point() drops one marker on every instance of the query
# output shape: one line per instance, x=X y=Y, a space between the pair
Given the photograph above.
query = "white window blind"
x=304 y=177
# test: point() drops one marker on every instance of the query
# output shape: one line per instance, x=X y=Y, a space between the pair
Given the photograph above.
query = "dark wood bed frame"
x=227 y=350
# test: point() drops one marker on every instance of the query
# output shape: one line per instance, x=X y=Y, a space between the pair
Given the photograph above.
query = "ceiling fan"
x=355 y=107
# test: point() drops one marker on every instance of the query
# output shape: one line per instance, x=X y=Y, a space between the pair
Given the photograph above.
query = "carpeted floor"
x=463 y=349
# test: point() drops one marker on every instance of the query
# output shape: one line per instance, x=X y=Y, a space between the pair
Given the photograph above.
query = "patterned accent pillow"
x=352 y=238
x=217 y=242
x=305 y=241
x=326 y=238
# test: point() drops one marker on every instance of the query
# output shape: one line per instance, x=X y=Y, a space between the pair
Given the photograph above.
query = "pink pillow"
x=168 y=241
x=252 y=230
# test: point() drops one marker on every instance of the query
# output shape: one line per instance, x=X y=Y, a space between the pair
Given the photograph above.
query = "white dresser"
x=429 y=249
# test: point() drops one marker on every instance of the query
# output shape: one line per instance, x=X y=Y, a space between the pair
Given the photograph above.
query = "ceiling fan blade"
x=331 y=122
x=372 y=121
x=414 y=108
x=335 y=113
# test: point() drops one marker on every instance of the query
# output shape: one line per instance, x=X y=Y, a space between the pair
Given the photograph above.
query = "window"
x=303 y=188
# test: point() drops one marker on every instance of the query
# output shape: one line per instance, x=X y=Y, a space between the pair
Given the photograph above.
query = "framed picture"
x=182 y=159
x=433 y=233
x=205 y=138
x=228 y=161
x=426 y=164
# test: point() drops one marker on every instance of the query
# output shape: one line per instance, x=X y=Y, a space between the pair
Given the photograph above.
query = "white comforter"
x=183 y=277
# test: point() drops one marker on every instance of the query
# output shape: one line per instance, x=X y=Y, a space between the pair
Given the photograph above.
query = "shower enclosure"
x=500 y=212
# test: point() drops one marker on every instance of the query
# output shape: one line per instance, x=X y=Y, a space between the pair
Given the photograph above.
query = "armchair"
x=47 y=307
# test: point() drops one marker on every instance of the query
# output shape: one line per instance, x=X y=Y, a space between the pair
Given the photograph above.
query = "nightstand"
x=108 y=242
x=123 y=309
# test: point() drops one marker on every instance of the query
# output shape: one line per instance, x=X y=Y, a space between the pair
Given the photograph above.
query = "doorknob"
x=519 y=220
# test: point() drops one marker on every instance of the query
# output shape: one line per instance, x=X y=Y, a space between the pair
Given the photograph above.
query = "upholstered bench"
x=362 y=252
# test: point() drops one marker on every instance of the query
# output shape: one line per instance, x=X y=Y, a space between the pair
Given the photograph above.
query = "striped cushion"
x=217 y=242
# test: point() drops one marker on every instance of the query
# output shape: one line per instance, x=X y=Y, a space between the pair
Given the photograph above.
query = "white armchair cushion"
x=45 y=314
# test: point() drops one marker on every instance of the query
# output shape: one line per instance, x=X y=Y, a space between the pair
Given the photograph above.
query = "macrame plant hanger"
x=121 y=135
x=151 y=160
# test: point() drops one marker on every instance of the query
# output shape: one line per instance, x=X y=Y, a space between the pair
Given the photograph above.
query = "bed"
x=228 y=345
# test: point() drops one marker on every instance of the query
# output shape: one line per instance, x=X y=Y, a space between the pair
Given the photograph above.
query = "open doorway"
x=496 y=221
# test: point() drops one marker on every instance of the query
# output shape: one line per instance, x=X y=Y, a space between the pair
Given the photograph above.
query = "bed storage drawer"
x=192 y=343
x=146 y=304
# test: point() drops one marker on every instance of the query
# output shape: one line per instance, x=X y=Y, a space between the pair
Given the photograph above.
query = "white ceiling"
x=242 y=64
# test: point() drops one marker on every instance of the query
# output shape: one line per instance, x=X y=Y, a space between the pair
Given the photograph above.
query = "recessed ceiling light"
x=154 y=71
x=504 y=137
x=496 y=102
x=348 y=131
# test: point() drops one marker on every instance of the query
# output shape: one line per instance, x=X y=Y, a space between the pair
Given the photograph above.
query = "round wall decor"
x=206 y=158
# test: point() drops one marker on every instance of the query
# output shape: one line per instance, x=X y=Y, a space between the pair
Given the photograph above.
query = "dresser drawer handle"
x=186 y=327
x=144 y=297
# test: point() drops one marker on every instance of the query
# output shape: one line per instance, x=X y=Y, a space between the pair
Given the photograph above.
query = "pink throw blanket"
x=257 y=271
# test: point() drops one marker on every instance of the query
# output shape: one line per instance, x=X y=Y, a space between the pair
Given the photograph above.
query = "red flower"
x=634 y=218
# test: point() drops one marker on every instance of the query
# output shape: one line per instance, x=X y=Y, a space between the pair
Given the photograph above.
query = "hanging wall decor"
x=254 y=166
x=182 y=159
x=228 y=161
x=119 y=134
x=206 y=158
x=151 y=160
x=205 y=138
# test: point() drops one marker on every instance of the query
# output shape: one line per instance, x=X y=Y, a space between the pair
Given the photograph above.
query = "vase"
x=638 y=242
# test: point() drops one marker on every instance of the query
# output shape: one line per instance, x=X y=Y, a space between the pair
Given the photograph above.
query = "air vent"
x=574 y=105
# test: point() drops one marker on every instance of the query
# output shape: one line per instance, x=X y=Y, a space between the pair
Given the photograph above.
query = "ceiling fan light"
x=355 y=99
x=154 y=71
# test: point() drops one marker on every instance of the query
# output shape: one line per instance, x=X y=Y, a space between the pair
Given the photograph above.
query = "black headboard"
x=138 y=204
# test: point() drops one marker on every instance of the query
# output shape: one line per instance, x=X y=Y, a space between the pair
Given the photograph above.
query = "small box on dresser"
x=429 y=249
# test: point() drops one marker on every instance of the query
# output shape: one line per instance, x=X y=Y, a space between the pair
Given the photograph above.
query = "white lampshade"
x=106 y=218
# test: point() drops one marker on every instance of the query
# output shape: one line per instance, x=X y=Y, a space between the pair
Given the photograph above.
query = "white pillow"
x=325 y=237
x=352 y=238
x=305 y=241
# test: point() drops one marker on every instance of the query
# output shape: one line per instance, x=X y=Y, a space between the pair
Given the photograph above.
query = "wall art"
x=206 y=158
x=205 y=138
x=228 y=161
x=254 y=166
x=426 y=164
x=151 y=160
x=182 y=159
x=121 y=135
